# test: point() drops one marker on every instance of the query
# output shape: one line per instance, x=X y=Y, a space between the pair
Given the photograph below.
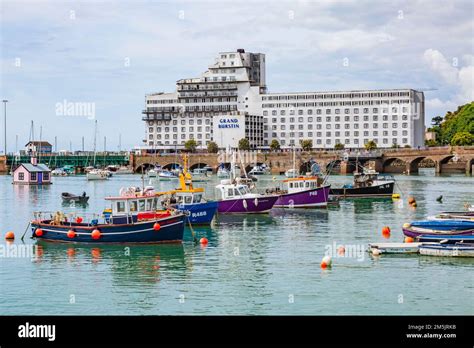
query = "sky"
x=109 y=54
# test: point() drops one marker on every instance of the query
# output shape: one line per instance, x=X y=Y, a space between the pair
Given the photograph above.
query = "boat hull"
x=444 y=225
x=171 y=230
x=199 y=213
x=314 y=198
x=426 y=235
x=457 y=250
x=383 y=190
x=237 y=206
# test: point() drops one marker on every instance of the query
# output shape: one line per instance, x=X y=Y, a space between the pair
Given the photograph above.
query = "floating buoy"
x=414 y=205
x=95 y=234
x=406 y=225
x=78 y=220
x=203 y=241
x=386 y=232
x=38 y=232
x=396 y=196
x=326 y=262
x=71 y=234
x=156 y=226
x=341 y=250
x=376 y=252
x=409 y=240
x=9 y=235
x=411 y=200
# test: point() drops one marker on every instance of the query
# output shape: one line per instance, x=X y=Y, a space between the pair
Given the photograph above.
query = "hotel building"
x=230 y=101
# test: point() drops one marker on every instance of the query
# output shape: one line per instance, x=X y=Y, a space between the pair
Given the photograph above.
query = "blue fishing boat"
x=189 y=199
x=454 y=250
x=444 y=224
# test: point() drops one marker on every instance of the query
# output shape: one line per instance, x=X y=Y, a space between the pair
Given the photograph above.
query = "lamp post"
x=5 y=108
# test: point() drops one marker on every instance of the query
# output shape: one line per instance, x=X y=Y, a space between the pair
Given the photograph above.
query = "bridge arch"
x=171 y=166
x=143 y=168
x=394 y=165
x=334 y=166
x=197 y=165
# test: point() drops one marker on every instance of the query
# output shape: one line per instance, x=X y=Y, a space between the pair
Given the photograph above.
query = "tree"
x=371 y=145
x=431 y=143
x=436 y=121
x=212 y=147
x=339 y=146
x=306 y=144
x=462 y=139
x=275 y=145
x=244 y=144
x=190 y=145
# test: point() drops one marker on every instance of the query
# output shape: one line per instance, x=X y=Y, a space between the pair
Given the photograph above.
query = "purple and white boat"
x=303 y=192
x=236 y=198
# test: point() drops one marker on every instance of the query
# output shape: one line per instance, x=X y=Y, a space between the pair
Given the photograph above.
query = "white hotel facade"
x=230 y=101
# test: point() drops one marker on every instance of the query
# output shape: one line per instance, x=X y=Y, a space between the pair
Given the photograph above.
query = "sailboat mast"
x=95 y=140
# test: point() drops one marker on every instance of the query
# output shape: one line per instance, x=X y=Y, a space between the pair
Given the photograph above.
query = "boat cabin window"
x=291 y=185
x=236 y=192
x=307 y=184
x=149 y=204
x=141 y=205
x=197 y=198
x=230 y=192
x=120 y=206
x=188 y=199
x=133 y=206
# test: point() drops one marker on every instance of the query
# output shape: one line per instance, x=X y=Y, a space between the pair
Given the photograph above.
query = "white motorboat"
x=260 y=170
x=291 y=173
x=97 y=174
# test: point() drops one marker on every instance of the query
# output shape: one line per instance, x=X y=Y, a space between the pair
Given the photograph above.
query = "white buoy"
x=244 y=203
x=256 y=201
x=376 y=252
x=326 y=262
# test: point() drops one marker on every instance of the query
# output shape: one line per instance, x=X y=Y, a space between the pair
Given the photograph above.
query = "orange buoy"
x=203 y=241
x=156 y=226
x=78 y=219
x=326 y=262
x=409 y=240
x=71 y=234
x=414 y=204
x=411 y=200
x=38 y=232
x=95 y=234
x=9 y=235
x=341 y=251
x=386 y=230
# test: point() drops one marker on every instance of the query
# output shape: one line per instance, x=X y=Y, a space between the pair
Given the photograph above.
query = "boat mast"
x=294 y=158
x=95 y=140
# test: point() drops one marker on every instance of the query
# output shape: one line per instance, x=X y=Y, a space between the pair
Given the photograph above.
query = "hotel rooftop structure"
x=230 y=101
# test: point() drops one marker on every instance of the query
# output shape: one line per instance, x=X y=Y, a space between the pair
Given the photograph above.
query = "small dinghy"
x=394 y=248
x=454 y=250
x=69 y=197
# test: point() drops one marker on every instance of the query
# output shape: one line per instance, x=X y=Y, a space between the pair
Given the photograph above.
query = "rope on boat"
x=192 y=230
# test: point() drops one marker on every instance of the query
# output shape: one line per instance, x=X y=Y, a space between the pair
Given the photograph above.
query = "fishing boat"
x=431 y=235
x=200 y=175
x=367 y=184
x=259 y=170
x=119 y=170
x=166 y=175
x=97 y=174
x=394 y=248
x=463 y=216
x=189 y=199
x=452 y=250
x=292 y=172
x=444 y=224
x=58 y=172
x=69 y=197
x=130 y=221
x=302 y=192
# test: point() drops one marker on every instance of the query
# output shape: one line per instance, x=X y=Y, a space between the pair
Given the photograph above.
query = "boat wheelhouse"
x=369 y=183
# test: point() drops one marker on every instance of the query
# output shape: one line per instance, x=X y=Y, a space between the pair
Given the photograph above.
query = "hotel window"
x=318 y=126
x=405 y=140
x=183 y=129
x=292 y=126
x=21 y=176
x=300 y=119
x=385 y=110
x=405 y=109
x=282 y=112
x=167 y=129
x=385 y=133
x=394 y=118
x=274 y=112
x=318 y=112
x=394 y=125
x=347 y=126
x=191 y=121
x=328 y=119
x=366 y=110
x=328 y=111
x=337 y=134
x=310 y=134
x=375 y=125
x=356 y=141
x=356 y=111
x=385 y=117
x=274 y=135
x=292 y=112
x=310 y=112
x=191 y=136
x=283 y=142
x=375 y=110
x=337 y=111
x=150 y=130
x=328 y=134
x=385 y=125
x=150 y=137
x=310 y=126
x=375 y=133
x=183 y=136
x=356 y=118
x=347 y=134
x=356 y=126
x=366 y=141
x=405 y=133
x=175 y=129
x=404 y=125
x=347 y=118
x=292 y=135
x=310 y=119
x=394 y=109
x=282 y=127
x=394 y=133
x=191 y=129
x=385 y=141
x=375 y=118
x=282 y=120
x=318 y=141
x=167 y=136
x=337 y=126
x=405 y=117
x=328 y=141
x=301 y=134
x=319 y=119
x=199 y=121
x=366 y=133
x=366 y=118
x=346 y=111
x=282 y=134
x=319 y=134
x=338 y=119
x=292 y=119
x=265 y=113
x=394 y=140
x=346 y=141
x=300 y=112
x=366 y=125
x=199 y=129
x=356 y=133
x=328 y=126
x=199 y=136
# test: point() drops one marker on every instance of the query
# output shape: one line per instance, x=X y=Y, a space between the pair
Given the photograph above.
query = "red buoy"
x=156 y=226
x=38 y=232
x=203 y=241
x=71 y=233
x=95 y=234
x=78 y=219
x=9 y=235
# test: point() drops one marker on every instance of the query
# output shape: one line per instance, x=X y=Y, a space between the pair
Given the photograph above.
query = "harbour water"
x=253 y=265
